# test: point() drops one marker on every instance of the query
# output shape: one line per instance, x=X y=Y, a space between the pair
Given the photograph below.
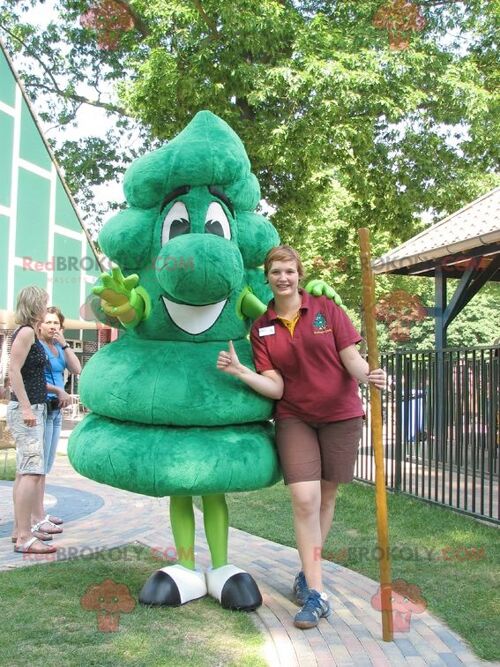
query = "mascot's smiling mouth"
x=194 y=319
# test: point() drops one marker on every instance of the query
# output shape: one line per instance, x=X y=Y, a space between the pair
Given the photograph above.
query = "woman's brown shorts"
x=310 y=451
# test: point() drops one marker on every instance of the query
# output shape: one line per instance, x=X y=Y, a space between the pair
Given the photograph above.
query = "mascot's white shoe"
x=172 y=586
x=233 y=588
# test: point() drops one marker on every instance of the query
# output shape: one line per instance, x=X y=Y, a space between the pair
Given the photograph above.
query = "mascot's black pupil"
x=214 y=227
x=178 y=227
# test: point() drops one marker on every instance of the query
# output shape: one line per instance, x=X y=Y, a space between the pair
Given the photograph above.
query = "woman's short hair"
x=283 y=253
x=31 y=301
x=54 y=310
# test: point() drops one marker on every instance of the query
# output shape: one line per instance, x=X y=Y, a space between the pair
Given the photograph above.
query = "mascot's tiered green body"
x=164 y=421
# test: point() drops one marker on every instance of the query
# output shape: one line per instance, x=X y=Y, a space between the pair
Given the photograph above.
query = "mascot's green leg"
x=182 y=522
x=231 y=586
x=215 y=517
x=180 y=583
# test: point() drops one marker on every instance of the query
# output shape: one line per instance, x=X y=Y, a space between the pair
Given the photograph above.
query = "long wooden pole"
x=376 y=428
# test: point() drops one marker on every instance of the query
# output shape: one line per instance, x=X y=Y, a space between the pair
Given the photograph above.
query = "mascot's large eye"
x=176 y=222
x=216 y=221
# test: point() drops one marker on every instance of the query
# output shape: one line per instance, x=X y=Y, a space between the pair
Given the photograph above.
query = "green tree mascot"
x=163 y=421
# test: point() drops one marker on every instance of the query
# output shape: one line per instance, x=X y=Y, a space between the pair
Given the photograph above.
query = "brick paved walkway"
x=98 y=516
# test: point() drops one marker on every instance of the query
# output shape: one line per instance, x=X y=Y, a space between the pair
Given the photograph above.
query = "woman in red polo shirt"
x=306 y=358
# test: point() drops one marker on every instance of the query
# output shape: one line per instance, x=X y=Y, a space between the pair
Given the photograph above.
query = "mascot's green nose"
x=199 y=268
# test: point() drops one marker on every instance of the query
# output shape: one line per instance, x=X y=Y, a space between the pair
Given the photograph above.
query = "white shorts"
x=28 y=439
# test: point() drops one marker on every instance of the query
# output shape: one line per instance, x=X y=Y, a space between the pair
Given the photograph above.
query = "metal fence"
x=441 y=417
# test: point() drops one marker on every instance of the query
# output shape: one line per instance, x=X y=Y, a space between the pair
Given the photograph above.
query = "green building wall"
x=42 y=240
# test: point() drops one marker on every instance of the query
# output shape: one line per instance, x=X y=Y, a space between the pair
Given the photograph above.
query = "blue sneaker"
x=315 y=607
x=300 y=588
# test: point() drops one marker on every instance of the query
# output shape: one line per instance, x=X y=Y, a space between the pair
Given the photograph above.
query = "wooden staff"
x=376 y=429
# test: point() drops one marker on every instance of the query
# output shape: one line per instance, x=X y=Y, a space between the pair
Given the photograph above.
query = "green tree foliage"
x=477 y=324
x=344 y=128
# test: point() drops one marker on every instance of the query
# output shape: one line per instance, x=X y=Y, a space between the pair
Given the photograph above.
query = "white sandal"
x=54 y=519
x=53 y=528
x=26 y=548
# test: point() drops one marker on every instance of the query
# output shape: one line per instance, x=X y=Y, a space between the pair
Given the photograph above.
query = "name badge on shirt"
x=266 y=331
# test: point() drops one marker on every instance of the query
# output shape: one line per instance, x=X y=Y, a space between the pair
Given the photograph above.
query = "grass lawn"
x=10 y=468
x=43 y=622
x=454 y=560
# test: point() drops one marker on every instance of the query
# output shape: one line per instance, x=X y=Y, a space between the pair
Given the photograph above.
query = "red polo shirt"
x=317 y=386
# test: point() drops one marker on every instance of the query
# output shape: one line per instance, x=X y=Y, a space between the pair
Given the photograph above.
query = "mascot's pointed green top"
x=207 y=152
x=163 y=420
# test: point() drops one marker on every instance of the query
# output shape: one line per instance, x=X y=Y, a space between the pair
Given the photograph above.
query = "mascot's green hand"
x=249 y=305
x=321 y=288
x=122 y=298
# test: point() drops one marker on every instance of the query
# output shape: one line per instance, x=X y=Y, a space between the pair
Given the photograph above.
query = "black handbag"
x=52 y=402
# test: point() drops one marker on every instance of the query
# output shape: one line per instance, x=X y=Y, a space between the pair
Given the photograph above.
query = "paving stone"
x=450 y=660
x=452 y=641
x=99 y=517
x=406 y=647
x=432 y=639
x=269 y=652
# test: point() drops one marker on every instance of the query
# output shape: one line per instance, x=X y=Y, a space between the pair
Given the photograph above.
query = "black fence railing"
x=441 y=417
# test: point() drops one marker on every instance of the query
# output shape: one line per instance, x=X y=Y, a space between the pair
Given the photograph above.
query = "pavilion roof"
x=474 y=230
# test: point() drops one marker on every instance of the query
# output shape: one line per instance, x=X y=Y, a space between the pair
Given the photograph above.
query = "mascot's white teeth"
x=194 y=319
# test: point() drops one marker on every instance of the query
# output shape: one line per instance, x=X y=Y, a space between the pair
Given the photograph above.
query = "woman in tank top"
x=59 y=358
x=26 y=416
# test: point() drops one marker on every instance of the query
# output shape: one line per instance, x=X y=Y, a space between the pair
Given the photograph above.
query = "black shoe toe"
x=240 y=592
x=160 y=589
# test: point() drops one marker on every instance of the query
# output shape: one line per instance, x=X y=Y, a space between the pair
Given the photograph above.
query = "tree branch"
x=108 y=106
x=211 y=24
x=435 y=3
x=71 y=117
x=139 y=24
x=32 y=54
x=247 y=113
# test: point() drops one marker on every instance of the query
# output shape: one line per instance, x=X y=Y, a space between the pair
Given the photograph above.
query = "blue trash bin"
x=413 y=416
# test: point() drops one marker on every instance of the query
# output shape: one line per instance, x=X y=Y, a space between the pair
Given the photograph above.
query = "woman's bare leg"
x=38 y=511
x=327 y=509
x=306 y=503
x=26 y=494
